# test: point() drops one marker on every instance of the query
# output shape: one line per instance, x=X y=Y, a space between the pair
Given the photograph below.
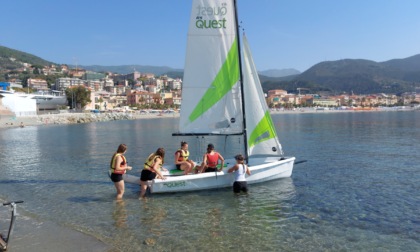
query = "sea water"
x=358 y=190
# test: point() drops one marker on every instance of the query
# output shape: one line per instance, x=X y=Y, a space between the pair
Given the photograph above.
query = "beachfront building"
x=89 y=75
x=175 y=84
x=108 y=82
x=177 y=100
x=410 y=98
x=326 y=102
x=118 y=101
x=77 y=73
x=133 y=76
x=275 y=98
x=387 y=99
x=277 y=93
x=139 y=98
x=152 y=89
x=62 y=84
x=95 y=85
x=19 y=105
x=100 y=100
x=38 y=84
x=306 y=100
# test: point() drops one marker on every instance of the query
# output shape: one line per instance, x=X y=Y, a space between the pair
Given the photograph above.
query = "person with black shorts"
x=151 y=169
x=211 y=160
x=240 y=170
x=118 y=167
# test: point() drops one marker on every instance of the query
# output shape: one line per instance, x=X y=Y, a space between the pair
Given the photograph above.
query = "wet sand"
x=34 y=235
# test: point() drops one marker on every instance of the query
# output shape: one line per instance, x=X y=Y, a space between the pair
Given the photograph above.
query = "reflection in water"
x=152 y=217
x=21 y=149
x=214 y=223
x=119 y=215
x=340 y=200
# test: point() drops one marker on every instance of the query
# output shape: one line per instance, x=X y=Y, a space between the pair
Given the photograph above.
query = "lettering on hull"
x=175 y=184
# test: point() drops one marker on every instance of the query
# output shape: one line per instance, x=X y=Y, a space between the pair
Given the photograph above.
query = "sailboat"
x=222 y=96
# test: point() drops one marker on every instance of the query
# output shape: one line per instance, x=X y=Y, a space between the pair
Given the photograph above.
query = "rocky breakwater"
x=73 y=118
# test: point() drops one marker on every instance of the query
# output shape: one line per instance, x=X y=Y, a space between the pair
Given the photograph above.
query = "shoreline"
x=7 y=121
x=10 y=121
x=32 y=234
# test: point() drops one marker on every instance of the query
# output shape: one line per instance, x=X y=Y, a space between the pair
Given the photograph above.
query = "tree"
x=100 y=100
x=78 y=96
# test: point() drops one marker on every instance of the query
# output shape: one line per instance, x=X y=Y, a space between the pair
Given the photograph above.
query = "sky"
x=282 y=34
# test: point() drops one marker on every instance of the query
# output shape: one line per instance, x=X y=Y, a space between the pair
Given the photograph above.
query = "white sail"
x=210 y=90
x=212 y=102
x=262 y=136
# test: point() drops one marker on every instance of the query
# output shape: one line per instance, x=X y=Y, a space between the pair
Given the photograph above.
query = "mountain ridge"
x=347 y=75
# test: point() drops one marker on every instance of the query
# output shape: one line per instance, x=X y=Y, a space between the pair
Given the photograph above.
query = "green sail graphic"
x=225 y=79
x=263 y=131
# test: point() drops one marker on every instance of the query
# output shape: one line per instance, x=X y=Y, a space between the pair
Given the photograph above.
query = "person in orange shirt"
x=211 y=160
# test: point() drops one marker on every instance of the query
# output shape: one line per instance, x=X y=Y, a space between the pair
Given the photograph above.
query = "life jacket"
x=112 y=164
x=150 y=161
x=212 y=160
x=183 y=155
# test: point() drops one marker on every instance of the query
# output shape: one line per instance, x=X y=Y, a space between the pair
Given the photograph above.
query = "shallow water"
x=357 y=192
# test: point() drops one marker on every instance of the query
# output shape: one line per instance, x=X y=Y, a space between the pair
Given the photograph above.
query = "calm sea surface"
x=359 y=190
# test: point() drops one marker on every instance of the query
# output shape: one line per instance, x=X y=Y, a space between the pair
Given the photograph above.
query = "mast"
x=241 y=82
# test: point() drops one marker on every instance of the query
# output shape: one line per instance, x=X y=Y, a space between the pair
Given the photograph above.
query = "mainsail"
x=262 y=136
x=211 y=101
x=211 y=90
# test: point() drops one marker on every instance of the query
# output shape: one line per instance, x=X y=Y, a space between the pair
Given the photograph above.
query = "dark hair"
x=160 y=152
x=183 y=143
x=210 y=147
x=239 y=157
x=121 y=148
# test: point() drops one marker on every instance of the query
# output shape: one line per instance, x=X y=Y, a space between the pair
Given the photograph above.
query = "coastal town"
x=147 y=92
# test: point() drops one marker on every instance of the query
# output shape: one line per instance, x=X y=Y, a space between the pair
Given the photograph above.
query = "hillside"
x=355 y=76
x=279 y=72
x=364 y=76
x=125 y=69
x=348 y=75
x=11 y=59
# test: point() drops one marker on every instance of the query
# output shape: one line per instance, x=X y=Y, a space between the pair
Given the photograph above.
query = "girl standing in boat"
x=241 y=169
x=211 y=160
x=151 y=169
x=118 y=167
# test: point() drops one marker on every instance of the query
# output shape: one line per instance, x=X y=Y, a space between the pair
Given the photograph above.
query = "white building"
x=19 y=105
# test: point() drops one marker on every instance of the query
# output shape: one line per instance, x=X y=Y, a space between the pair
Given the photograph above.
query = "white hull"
x=262 y=169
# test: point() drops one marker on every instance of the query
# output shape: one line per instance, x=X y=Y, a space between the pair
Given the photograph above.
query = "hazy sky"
x=281 y=33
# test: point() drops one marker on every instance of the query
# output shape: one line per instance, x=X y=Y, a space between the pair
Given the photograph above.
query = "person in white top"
x=241 y=169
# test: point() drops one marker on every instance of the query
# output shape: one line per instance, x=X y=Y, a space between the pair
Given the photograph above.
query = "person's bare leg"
x=143 y=186
x=120 y=189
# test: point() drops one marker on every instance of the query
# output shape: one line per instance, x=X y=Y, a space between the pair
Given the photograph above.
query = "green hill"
x=355 y=75
x=348 y=75
x=125 y=69
x=11 y=59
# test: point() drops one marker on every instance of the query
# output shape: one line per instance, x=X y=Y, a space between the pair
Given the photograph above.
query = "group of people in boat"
x=153 y=167
x=210 y=160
